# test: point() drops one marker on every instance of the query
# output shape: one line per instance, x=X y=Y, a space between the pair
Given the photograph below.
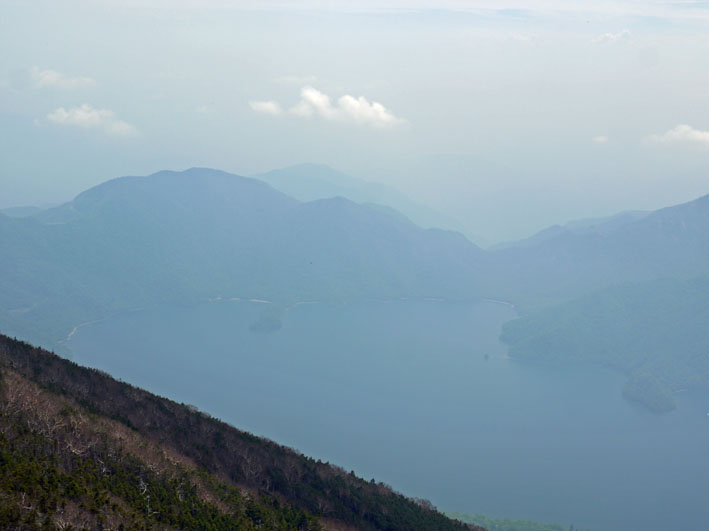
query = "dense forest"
x=80 y=449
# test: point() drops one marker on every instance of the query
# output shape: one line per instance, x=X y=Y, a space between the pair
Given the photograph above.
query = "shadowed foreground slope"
x=78 y=447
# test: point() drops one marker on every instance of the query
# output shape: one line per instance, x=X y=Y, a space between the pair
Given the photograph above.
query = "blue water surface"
x=420 y=395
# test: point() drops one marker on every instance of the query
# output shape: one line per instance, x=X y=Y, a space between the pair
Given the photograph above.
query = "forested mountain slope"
x=80 y=449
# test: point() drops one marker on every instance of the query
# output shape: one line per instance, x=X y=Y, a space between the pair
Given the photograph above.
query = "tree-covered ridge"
x=656 y=332
x=63 y=466
x=78 y=447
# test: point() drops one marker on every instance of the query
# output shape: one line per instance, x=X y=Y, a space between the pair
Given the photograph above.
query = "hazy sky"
x=507 y=115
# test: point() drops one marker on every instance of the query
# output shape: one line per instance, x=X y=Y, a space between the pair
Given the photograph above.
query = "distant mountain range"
x=631 y=293
x=599 y=226
x=308 y=182
x=201 y=233
x=81 y=450
x=183 y=237
x=671 y=242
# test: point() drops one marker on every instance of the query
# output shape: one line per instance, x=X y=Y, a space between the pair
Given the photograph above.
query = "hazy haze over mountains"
x=579 y=226
x=205 y=233
x=460 y=246
x=198 y=234
x=308 y=182
x=176 y=237
x=508 y=117
x=673 y=241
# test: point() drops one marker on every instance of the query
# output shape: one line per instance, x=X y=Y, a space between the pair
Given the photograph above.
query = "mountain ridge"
x=669 y=242
x=115 y=454
x=308 y=182
x=193 y=235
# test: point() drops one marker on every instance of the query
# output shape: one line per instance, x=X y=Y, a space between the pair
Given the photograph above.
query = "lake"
x=419 y=395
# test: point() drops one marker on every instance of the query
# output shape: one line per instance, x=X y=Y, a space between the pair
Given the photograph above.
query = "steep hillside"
x=182 y=237
x=80 y=449
x=656 y=332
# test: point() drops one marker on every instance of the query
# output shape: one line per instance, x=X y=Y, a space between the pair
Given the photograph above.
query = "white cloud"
x=348 y=109
x=266 y=107
x=683 y=134
x=312 y=101
x=54 y=79
x=610 y=38
x=89 y=118
x=600 y=139
x=362 y=111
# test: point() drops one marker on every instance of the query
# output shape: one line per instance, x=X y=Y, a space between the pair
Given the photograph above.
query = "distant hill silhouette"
x=187 y=236
x=671 y=242
x=604 y=225
x=308 y=182
x=628 y=293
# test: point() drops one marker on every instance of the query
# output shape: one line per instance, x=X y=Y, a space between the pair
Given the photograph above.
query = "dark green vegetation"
x=185 y=237
x=82 y=449
x=655 y=331
x=505 y=524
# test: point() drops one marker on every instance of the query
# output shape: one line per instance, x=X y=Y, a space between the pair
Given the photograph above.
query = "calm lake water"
x=402 y=391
